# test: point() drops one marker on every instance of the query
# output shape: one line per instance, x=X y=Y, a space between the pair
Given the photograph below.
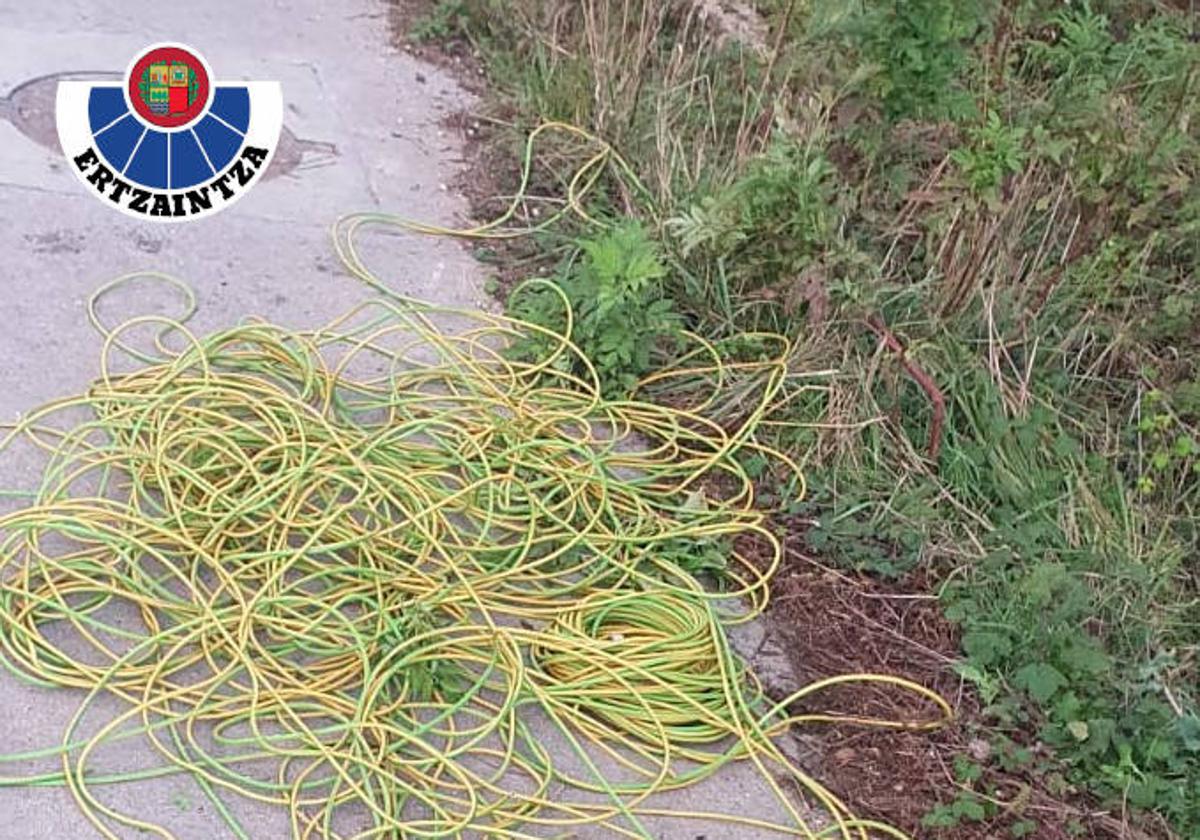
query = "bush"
x=614 y=284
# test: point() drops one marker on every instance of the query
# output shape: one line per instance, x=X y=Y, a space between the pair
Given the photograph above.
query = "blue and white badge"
x=170 y=143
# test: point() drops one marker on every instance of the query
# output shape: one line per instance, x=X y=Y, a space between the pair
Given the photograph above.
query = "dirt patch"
x=834 y=623
x=450 y=52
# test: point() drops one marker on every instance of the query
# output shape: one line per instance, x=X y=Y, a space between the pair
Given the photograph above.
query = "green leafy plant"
x=422 y=676
x=921 y=49
x=1171 y=462
x=614 y=283
x=966 y=807
x=748 y=239
x=993 y=152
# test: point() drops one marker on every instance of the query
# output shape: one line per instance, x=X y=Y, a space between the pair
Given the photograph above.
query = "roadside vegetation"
x=978 y=221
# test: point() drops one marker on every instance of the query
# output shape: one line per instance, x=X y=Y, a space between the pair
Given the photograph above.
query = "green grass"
x=1011 y=187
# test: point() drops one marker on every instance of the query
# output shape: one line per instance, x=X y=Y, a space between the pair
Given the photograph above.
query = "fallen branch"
x=932 y=391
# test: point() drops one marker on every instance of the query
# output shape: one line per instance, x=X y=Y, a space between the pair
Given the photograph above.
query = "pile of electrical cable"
x=365 y=573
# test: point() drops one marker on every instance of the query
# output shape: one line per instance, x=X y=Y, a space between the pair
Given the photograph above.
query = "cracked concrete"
x=362 y=132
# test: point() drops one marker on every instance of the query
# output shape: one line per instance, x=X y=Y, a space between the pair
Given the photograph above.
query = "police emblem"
x=170 y=143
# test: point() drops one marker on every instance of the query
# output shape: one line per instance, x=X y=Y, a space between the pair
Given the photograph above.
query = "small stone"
x=979 y=749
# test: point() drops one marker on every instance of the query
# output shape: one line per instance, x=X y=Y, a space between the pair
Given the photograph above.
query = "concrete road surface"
x=362 y=131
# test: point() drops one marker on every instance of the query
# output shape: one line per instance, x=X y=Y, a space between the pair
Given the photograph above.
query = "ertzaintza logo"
x=170 y=143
